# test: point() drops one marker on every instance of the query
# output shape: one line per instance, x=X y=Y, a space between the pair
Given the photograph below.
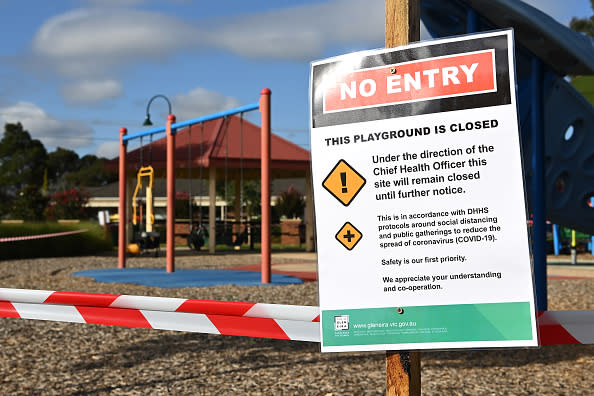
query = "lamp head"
x=147 y=120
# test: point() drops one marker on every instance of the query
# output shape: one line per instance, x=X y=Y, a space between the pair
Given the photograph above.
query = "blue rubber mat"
x=158 y=277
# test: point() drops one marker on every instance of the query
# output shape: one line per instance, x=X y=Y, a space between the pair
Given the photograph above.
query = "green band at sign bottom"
x=436 y=323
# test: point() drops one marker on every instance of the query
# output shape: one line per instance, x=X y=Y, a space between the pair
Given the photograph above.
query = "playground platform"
x=158 y=277
x=301 y=268
x=304 y=269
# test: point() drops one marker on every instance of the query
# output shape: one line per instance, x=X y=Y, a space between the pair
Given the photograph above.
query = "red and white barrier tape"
x=179 y=321
x=227 y=308
x=287 y=322
x=41 y=236
x=566 y=327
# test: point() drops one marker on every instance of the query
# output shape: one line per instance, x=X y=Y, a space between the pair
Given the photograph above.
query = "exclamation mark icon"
x=343 y=182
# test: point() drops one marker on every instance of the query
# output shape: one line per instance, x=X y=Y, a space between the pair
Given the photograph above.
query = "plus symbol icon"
x=349 y=236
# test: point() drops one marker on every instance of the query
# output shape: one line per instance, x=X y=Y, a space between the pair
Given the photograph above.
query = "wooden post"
x=403 y=25
x=403 y=22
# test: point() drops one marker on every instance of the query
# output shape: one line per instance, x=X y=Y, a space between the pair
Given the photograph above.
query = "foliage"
x=94 y=241
x=585 y=86
x=290 y=203
x=584 y=25
x=250 y=196
x=251 y=199
x=68 y=204
x=22 y=162
x=90 y=173
x=28 y=173
x=60 y=163
x=29 y=205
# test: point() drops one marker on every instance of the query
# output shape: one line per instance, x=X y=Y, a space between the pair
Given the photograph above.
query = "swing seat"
x=196 y=238
x=241 y=238
x=148 y=241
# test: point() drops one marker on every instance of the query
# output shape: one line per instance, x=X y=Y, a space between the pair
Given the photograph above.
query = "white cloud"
x=301 y=32
x=200 y=101
x=91 y=91
x=50 y=130
x=108 y=150
x=90 y=42
x=95 y=43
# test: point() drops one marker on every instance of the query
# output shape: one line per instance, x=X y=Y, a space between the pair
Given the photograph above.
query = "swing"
x=228 y=237
x=242 y=232
x=148 y=238
x=198 y=234
x=235 y=238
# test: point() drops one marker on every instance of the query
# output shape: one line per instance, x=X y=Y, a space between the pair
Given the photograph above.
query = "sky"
x=74 y=72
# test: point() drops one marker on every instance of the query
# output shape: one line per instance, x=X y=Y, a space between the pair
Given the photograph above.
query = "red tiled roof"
x=223 y=143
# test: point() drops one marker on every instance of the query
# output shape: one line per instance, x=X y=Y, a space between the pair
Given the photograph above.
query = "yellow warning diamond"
x=348 y=236
x=344 y=182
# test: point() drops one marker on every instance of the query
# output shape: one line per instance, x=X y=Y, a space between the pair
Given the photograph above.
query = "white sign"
x=420 y=212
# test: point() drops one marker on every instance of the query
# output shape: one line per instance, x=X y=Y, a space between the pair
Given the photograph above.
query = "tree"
x=90 y=173
x=29 y=205
x=60 y=163
x=68 y=204
x=22 y=164
x=584 y=25
x=28 y=172
x=584 y=84
x=290 y=203
x=250 y=196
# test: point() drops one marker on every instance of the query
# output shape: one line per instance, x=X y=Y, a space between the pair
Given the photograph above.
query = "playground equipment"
x=567 y=327
x=234 y=234
x=145 y=239
x=171 y=129
x=554 y=117
x=197 y=234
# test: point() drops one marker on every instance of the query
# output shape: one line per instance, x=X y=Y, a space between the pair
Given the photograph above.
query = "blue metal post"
x=592 y=238
x=538 y=186
x=472 y=20
x=556 y=241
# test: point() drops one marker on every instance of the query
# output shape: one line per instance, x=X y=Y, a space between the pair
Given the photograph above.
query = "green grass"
x=87 y=243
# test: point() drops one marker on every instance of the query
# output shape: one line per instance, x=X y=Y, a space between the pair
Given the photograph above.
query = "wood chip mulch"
x=52 y=358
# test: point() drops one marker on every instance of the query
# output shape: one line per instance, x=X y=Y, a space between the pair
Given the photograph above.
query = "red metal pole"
x=122 y=203
x=265 y=176
x=170 y=240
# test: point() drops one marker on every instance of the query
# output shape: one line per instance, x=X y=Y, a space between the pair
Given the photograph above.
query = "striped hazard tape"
x=227 y=308
x=289 y=322
x=163 y=320
x=41 y=236
x=566 y=327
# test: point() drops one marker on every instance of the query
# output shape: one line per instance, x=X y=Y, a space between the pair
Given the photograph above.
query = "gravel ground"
x=51 y=358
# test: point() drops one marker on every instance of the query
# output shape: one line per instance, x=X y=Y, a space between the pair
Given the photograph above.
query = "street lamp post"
x=170 y=235
x=147 y=120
